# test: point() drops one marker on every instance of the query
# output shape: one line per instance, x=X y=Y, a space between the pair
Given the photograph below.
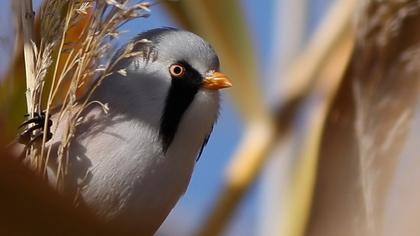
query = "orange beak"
x=216 y=81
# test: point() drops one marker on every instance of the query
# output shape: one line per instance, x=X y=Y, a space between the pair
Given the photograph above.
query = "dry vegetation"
x=70 y=58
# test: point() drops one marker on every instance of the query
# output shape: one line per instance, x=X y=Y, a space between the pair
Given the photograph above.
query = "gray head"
x=173 y=45
x=178 y=54
x=176 y=69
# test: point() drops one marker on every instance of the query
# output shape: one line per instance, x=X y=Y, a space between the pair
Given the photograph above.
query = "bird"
x=131 y=164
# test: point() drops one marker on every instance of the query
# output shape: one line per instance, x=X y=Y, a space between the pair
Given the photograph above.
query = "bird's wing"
x=206 y=140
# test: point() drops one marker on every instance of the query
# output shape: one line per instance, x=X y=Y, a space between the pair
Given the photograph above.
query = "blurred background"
x=318 y=135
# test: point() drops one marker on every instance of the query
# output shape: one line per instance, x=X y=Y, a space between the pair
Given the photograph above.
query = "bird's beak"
x=216 y=81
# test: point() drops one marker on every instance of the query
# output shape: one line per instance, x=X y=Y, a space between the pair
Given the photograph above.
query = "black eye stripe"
x=180 y=96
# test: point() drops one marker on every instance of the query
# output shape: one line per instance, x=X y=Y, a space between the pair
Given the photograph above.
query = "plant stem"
x=27 y=22
x=27 y=15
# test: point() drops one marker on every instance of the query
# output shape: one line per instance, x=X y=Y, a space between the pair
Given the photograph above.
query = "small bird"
x=131 y=165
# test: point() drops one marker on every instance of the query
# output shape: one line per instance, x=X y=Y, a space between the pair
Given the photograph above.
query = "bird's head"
x=176 y=72
x=185 y=57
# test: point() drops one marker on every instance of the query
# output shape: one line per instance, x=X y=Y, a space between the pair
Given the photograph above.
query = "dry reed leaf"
x=368 y=123
x=301 y=187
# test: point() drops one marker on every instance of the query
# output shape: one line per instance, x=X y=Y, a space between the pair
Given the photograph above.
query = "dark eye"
x=177 y=70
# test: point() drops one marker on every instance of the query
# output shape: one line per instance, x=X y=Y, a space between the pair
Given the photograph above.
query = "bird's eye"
x=177 y=70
